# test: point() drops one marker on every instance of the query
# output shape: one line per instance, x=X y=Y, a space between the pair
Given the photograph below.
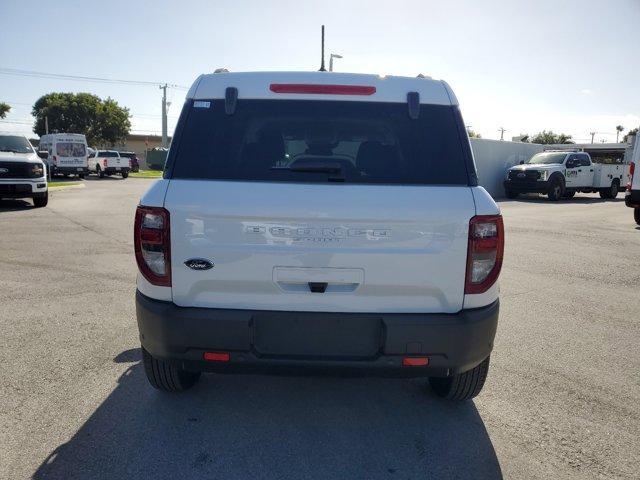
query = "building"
x=139 y=144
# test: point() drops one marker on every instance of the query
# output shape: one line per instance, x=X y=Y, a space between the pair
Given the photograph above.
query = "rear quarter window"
x=275 y=140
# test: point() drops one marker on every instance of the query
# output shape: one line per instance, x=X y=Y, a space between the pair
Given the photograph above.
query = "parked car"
x=22 y=173
x=135 y=164
x=67 y=153
x=560 y=174
x=330 y=221
x=109 y=162
x=632 y=194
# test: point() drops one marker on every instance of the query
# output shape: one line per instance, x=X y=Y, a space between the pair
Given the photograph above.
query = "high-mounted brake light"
x=485 y=252
x=322 y=89
x=152 y=243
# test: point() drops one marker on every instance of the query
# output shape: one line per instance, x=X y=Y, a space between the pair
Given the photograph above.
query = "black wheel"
x=125 y=174
x=99 y=171
x=167 y=377
x=41 y=201
x=613 y=190
x=570 y=194
x=511 y=194
x=463 y=386
x=556 y=189
x=81 y=176
x=636 y=215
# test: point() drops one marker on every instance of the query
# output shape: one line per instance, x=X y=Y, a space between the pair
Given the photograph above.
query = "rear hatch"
x=114 y=160
x=71 y=154
x=319 y=206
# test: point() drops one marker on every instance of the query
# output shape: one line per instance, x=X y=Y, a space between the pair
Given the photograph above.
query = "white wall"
x=494 y=157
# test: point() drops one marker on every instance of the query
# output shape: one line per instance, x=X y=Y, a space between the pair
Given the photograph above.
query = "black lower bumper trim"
x=268 y=341
x=526 y=187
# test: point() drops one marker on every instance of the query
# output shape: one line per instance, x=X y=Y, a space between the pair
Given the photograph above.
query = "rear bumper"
x=115 y=171
x=69 y=170
x=526 y=187
x=632 y=198
x=23 y=188
x=268 y=341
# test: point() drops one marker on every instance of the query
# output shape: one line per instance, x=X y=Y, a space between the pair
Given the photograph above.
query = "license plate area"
x=316 y=335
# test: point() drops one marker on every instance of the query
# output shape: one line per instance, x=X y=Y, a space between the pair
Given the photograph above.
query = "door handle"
x=579 y=170
x=591 y=170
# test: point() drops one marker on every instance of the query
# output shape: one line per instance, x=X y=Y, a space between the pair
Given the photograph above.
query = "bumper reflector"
x=216 y=356
x=415 y=361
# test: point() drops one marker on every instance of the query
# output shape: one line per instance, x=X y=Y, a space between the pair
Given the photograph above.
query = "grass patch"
x=63 y=183
x=146 y=174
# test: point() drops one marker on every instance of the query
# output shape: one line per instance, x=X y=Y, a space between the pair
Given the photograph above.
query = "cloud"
x=586 y=91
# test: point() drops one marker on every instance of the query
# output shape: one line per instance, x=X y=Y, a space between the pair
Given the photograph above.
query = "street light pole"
x=331 y=57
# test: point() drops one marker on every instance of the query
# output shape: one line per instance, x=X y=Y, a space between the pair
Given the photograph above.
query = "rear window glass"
x=128 y=155
x=108 y=154
x=69 y=149
x=320 y=141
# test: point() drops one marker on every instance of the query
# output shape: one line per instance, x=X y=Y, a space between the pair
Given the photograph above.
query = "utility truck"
x=561 y=174
x=319 y=221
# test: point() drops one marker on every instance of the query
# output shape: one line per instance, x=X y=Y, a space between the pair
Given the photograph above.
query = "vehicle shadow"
x=246 y=426
x=105 y=178
x=15 y=205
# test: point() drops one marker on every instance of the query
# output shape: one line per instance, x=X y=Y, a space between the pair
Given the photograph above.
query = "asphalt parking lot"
x=562 y=399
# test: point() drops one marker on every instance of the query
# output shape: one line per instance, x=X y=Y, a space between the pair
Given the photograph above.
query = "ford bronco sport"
x=319 y=221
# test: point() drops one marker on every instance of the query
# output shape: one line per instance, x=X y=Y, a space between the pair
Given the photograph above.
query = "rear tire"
x=166 y=376
x=461 y=387
x=42 y=201
x=636 y=215
x=99 y=171
x=556 y=189
x=511 y=194
x=125 y=174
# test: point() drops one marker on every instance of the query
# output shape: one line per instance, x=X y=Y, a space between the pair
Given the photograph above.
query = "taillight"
x=104 y=162
x=130 y=163
x=153 y=244
x=322 y=89
x=55 y=160
x=632 y=169
x=485 y=252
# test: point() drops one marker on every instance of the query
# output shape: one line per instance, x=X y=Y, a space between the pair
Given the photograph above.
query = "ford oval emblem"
x=198 y=264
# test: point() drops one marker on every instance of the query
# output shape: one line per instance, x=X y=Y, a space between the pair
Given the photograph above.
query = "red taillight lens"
x=632 y=169
x=216 y=356
x=152 y=242
x=322 y=89
x=485 y=252
x=55 y=160
x=104 y=162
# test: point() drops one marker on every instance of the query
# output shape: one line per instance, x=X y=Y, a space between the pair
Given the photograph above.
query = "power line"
x=59 y=76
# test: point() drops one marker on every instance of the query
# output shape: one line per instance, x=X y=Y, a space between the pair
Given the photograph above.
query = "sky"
x=569 y=66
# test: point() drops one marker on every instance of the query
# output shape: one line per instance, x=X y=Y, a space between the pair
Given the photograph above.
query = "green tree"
x=103 y=122
x=630 y=132
x=619 y=130
x=473 y=134
x=4 y=109
x=548 y=137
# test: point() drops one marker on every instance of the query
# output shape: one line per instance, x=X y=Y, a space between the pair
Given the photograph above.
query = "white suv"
x=319 y=221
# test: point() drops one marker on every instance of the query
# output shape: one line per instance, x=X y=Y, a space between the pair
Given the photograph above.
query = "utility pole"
x=592 y=135
x=164 y=114
x=501 y=130
x=46 y=124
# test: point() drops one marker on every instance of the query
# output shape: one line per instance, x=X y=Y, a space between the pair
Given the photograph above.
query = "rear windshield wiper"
x=317 y=167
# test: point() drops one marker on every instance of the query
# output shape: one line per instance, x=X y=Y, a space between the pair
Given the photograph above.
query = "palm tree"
x=619 y=130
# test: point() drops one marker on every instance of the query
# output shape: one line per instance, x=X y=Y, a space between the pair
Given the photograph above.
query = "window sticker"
x=201 y=104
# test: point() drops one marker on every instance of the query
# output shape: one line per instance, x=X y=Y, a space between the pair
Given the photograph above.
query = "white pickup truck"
x=632 y=195
x=319 y=221
x=560 y=174
x=108 y=162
